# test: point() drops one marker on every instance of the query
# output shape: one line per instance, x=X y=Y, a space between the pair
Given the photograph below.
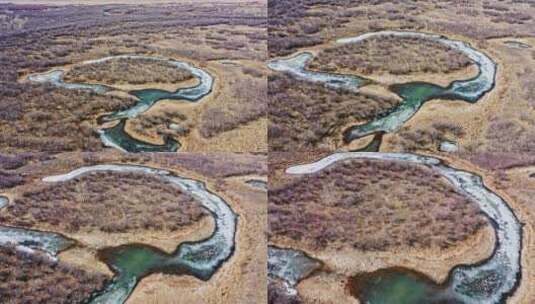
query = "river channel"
x=489 y=281
x=116 y=136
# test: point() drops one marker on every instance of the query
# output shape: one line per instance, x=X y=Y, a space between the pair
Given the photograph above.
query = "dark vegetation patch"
x=512 y=130
x=215 y=165
x=369 y=205
x=34 y=278
x=277 y=293
x=107 y=201
x=210 y=165
x=127 y=71
x=304 y=115
x=10 y=162
x=391 y=54
x=10 y=180
x=297 y=24
x=501 y=160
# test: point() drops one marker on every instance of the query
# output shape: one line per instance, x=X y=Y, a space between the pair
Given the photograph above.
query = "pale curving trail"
x=489 y=281
x=116 y=136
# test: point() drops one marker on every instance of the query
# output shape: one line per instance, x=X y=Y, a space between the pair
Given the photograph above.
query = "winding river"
x=132 y=262
x=290 y=266
x=489 y=281
x=414 y=94
x=116 y=136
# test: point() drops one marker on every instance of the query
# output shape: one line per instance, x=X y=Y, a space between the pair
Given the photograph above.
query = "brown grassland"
x=305 y=116
x=127 y=71
x=94 y=208
x=34 y=278
x=368 y=205
x=501 y=121
x=37 y=38
x=405 y=56
x=109 y=202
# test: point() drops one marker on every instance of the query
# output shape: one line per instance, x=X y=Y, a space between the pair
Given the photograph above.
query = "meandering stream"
x=489 y=281
x=116 y=136
x=414 y=94
x=132 y=262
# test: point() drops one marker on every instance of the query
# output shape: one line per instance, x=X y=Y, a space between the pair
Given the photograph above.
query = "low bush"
x=128 y=71
x=395 y=55
x=306 y=116
x=107 y=201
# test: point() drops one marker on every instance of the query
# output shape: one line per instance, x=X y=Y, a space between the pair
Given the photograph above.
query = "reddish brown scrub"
x=305 y=115
x=108 y=201
x=369 y=205
x=34 y=278
x=128 y=71
x=391 y=54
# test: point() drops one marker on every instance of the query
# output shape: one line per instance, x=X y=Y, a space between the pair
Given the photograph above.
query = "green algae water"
x=400 y=286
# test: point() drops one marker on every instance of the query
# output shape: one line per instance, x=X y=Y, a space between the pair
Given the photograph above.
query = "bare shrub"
x=34 y=278
x=369 y=205
x=110 y=202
